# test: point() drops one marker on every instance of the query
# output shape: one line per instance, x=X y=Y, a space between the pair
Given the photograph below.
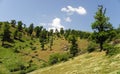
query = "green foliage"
x=91 y=47
x=74 y=46
x=38 y=30
x=6 y=33
x=19 y=35
x=43 y=38
x=42 y=41
x=13 y=22
x=19 y=25
x=57 y=33
x=31 y=27
x=64 y=57
x=54 y=58
x=57 y=57
x=101 y=27
x=15 y=34
x=33 y=48
x=110 y=49
x=61 y=31
x=51 y=42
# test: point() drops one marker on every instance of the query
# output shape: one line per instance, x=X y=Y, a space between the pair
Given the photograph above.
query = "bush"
x=64 y=57
x=91 y=47
x=57 y=57
x=110 y=49
x=18 y=67
x=44 y=64
x=33 y=48
x=54 y=58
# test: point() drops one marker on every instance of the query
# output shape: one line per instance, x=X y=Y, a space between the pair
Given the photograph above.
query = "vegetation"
x=74 y=46
x=25 y=49
x=101 y=27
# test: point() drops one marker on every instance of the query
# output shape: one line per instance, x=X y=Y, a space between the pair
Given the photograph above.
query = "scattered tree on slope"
x=102 y=27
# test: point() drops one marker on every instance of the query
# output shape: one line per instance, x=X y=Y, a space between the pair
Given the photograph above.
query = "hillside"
x=24 y=54
x=93 y=63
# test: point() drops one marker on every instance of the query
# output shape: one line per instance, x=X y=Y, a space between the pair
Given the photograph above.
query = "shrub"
x=17 y=67
x=54 y=58
x=110 y=49
x=44 y=64
x=16 y=50
x=91 y=47
x=57 y=57
x=33 y=48
x=64 y=57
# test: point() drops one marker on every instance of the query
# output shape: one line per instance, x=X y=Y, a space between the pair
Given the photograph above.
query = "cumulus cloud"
x=68 y=19
x=70 y=10
x=56 y=24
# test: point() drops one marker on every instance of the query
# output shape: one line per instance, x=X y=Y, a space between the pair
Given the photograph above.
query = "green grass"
x=93 y=63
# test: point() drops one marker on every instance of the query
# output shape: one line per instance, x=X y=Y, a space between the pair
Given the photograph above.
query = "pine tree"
x=20 y=25
x=13 y=22
x=101 y=27
x=6 y=33
x=74 y=46
x=38 y=30
x=43 y=37
x=31 y=27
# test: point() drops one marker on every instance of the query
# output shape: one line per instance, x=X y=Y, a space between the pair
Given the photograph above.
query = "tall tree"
x=61 y=31
x=6 y=33
x=74 y=46
x=31 y=27
x=38 y=30
x=43 y=37
x=101 y=27
x=20 y=25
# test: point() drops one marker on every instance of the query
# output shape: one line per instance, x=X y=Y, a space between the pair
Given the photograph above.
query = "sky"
x=52 y=14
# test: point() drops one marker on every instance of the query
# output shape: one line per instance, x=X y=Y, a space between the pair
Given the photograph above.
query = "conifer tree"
x=6 y=33
x=101 y=27
x=74 y=46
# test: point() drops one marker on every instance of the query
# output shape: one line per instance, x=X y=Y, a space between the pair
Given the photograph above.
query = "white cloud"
x=68 y=19
x=56 y=24
x=70 y=10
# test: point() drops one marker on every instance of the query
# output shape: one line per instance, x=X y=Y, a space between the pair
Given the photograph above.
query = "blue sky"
x=74 y=14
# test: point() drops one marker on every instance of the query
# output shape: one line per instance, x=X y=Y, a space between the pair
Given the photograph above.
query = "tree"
x=31 y=27
x=13 y=22
x=6 y=33
x=51 y=42
x=15 y=34
x=43 y=37
x=101 y=27
x=38 y=30
x=57 y=32
x=74 y=46
x=19 y=35
x=61 y=31
x=20 y=25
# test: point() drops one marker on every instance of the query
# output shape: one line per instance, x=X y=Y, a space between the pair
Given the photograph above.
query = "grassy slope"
x=93 y=63
x=9 y=59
